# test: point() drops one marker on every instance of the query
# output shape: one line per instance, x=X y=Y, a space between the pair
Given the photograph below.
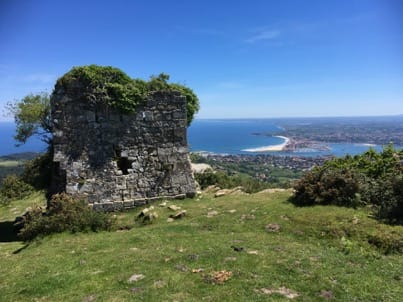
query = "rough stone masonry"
x=117 y=160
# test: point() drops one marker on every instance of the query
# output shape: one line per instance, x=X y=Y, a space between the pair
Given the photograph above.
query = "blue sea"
x=233 y=136
x=8 y=144
x=208 y=135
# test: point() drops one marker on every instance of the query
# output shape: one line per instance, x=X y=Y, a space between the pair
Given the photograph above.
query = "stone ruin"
x=116 y=160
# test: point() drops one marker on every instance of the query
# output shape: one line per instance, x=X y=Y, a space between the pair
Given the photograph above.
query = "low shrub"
x=388 y=243
x=37 y=172
x=386 y=196
x=374 y=179
x=13 y=187
x=64 y=213
x=326 y=185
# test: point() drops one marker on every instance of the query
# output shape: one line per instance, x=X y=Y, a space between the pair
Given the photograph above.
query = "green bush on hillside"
x=13 y=187
x=372 y=178
x=64 y=213
x=38 y=171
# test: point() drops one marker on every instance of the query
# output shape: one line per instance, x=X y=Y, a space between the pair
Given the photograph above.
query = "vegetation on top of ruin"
x=112 y=86
x=96 y=84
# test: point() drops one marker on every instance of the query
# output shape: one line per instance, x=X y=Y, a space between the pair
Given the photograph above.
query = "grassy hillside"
x=265 y=247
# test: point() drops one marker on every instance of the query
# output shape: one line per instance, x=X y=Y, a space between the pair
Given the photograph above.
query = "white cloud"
x=264 y=35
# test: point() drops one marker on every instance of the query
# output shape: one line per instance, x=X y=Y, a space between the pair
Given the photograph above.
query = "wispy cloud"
x=263 y=35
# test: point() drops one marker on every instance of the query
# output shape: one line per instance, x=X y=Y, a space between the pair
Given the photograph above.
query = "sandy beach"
x=278 y=147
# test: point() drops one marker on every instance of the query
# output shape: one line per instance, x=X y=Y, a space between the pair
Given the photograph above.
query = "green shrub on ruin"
x=112 y=86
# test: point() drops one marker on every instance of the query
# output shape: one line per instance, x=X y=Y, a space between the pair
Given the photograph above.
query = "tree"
x=32 y=117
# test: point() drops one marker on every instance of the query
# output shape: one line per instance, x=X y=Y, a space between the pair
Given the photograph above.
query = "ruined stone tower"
x=117 y=160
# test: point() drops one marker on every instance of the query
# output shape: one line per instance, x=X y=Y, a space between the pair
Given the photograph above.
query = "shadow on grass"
x=7 y=232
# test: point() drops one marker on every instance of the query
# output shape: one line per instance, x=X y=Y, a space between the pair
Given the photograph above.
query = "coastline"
x=279 y=147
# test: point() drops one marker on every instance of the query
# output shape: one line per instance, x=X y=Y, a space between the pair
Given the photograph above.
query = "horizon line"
x=296 y=117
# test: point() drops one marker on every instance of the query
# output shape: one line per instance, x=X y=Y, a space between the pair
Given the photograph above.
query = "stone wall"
x=117 y=160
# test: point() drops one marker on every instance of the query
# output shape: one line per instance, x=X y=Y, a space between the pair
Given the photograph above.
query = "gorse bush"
x=13 y=187
x=64 y=213
x=386 y=196
x=372 y=178
x=329 y=186
x=37 y=172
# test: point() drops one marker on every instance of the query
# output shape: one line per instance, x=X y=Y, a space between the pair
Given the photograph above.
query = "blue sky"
x=242 y=58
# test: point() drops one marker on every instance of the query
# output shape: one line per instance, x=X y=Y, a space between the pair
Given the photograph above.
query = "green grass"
x=316 y=249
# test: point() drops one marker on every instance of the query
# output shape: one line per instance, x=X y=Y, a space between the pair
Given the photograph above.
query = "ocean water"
x=234 y=136
x=8 y=144
x=215 y=136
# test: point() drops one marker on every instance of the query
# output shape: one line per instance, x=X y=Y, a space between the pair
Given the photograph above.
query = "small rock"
x=145 y=211
x=146 y=215
x=173 y=207
x=136 y=289
x=181 y=267
x=170 y=219
x=273 y=227
x=90 y=298
x=197 y=270
x=82 y=262
x=212 y=214
x=253 y=252
x=327 y=294
x=136 y=277
x=232 y=211
x=159 y=284
x=178 y=215
x=288 y=293
x=230 y=259
x=222 y=192
x=212 y=189
x=248 y=217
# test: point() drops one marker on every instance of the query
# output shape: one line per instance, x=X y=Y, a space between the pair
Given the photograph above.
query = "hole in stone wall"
x=122 y=161
x=124 y=164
